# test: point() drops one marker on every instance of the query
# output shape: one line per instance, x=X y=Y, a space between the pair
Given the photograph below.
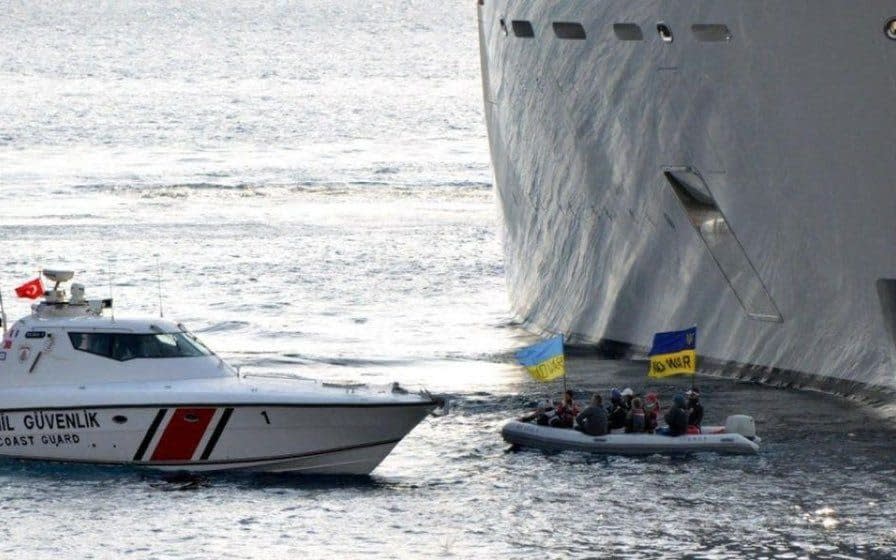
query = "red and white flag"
x=31 y=290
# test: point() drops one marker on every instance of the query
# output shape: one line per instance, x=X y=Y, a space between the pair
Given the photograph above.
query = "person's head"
x=596 y=400
x=615 y=395
x=567 y=396
x=678 y=399
x=636 y=403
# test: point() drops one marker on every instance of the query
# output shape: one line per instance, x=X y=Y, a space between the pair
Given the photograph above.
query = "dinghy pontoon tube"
x=738 y=436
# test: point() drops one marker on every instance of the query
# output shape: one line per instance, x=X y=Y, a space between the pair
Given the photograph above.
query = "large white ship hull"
x=740 y=177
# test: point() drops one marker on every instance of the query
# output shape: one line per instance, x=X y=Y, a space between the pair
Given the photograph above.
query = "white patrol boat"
x=737 y=437
x=79 y=386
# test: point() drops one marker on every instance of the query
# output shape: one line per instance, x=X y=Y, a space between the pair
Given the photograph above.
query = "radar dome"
x=59 y=275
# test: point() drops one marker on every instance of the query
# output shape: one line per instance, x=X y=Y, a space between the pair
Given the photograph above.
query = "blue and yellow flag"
x=545 y=360
x=673 y=353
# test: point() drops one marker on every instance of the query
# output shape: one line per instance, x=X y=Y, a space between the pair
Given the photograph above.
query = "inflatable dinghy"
x=738 y=436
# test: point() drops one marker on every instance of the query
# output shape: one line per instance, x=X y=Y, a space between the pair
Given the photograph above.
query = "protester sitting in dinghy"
x=627 y=396
x=566 y=412
x=616 y=410
x=547 y=405
x=676 y=418
x=635 y=421
x=561 y=416
x=593 y=420
x=651 y=412
x=695 y=410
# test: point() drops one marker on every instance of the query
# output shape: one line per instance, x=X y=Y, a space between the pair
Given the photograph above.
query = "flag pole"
x=2 y=314
x=562 y=340
x=694 y=377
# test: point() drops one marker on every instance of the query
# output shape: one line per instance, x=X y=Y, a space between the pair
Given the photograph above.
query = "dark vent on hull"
x=886 y=293
x=711 y=33
x=569 y=30
x=713 y=228
x=522 y=28
x=628 y=32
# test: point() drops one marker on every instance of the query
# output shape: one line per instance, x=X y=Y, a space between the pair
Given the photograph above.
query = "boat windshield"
x=127 y=346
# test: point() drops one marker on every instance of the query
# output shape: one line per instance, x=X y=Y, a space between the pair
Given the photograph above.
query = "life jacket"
x=563 y=408
x=566 y=414
x=651 y=419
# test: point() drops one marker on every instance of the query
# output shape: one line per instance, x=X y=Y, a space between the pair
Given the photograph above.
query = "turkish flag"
x=31 y=290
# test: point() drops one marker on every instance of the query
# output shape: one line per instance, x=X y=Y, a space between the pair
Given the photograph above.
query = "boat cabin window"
x=126 y=346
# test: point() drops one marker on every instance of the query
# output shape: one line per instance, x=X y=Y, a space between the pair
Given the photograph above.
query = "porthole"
x=890 y=29
x=665 y=32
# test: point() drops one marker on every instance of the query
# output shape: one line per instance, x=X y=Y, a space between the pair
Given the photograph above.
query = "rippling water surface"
x=309 y=181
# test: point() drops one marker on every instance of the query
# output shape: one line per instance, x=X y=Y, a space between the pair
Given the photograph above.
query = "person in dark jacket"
x=616 y=411
x=627 y=396
x=542 y=413
x=593 y=420
x=676 y=418
x=694 y=408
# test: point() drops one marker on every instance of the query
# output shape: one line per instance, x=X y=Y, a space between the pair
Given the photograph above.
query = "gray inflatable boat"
x=738 y=436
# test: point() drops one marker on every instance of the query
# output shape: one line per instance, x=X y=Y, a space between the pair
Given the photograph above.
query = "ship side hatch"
x=886 y=293
x=704 y=214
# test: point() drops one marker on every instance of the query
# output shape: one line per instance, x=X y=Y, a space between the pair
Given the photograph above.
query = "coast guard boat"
x=79 y=386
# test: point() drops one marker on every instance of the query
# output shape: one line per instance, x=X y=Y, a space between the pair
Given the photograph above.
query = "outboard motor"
x=741 y=424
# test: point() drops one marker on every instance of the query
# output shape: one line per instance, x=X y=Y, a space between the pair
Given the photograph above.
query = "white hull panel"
x=320 y=439
x=355 y=461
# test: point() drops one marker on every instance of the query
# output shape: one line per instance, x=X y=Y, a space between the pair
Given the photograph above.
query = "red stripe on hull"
x=182 y=434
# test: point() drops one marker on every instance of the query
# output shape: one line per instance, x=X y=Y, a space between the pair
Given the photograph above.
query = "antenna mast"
x=3 y=315
x=111 y=296
x=159 y=282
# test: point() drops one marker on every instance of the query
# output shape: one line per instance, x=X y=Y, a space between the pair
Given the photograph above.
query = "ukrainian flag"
x=673 y=353
x=545 y=360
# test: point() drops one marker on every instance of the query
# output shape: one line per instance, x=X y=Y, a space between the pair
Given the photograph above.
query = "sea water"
x=307 y=186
